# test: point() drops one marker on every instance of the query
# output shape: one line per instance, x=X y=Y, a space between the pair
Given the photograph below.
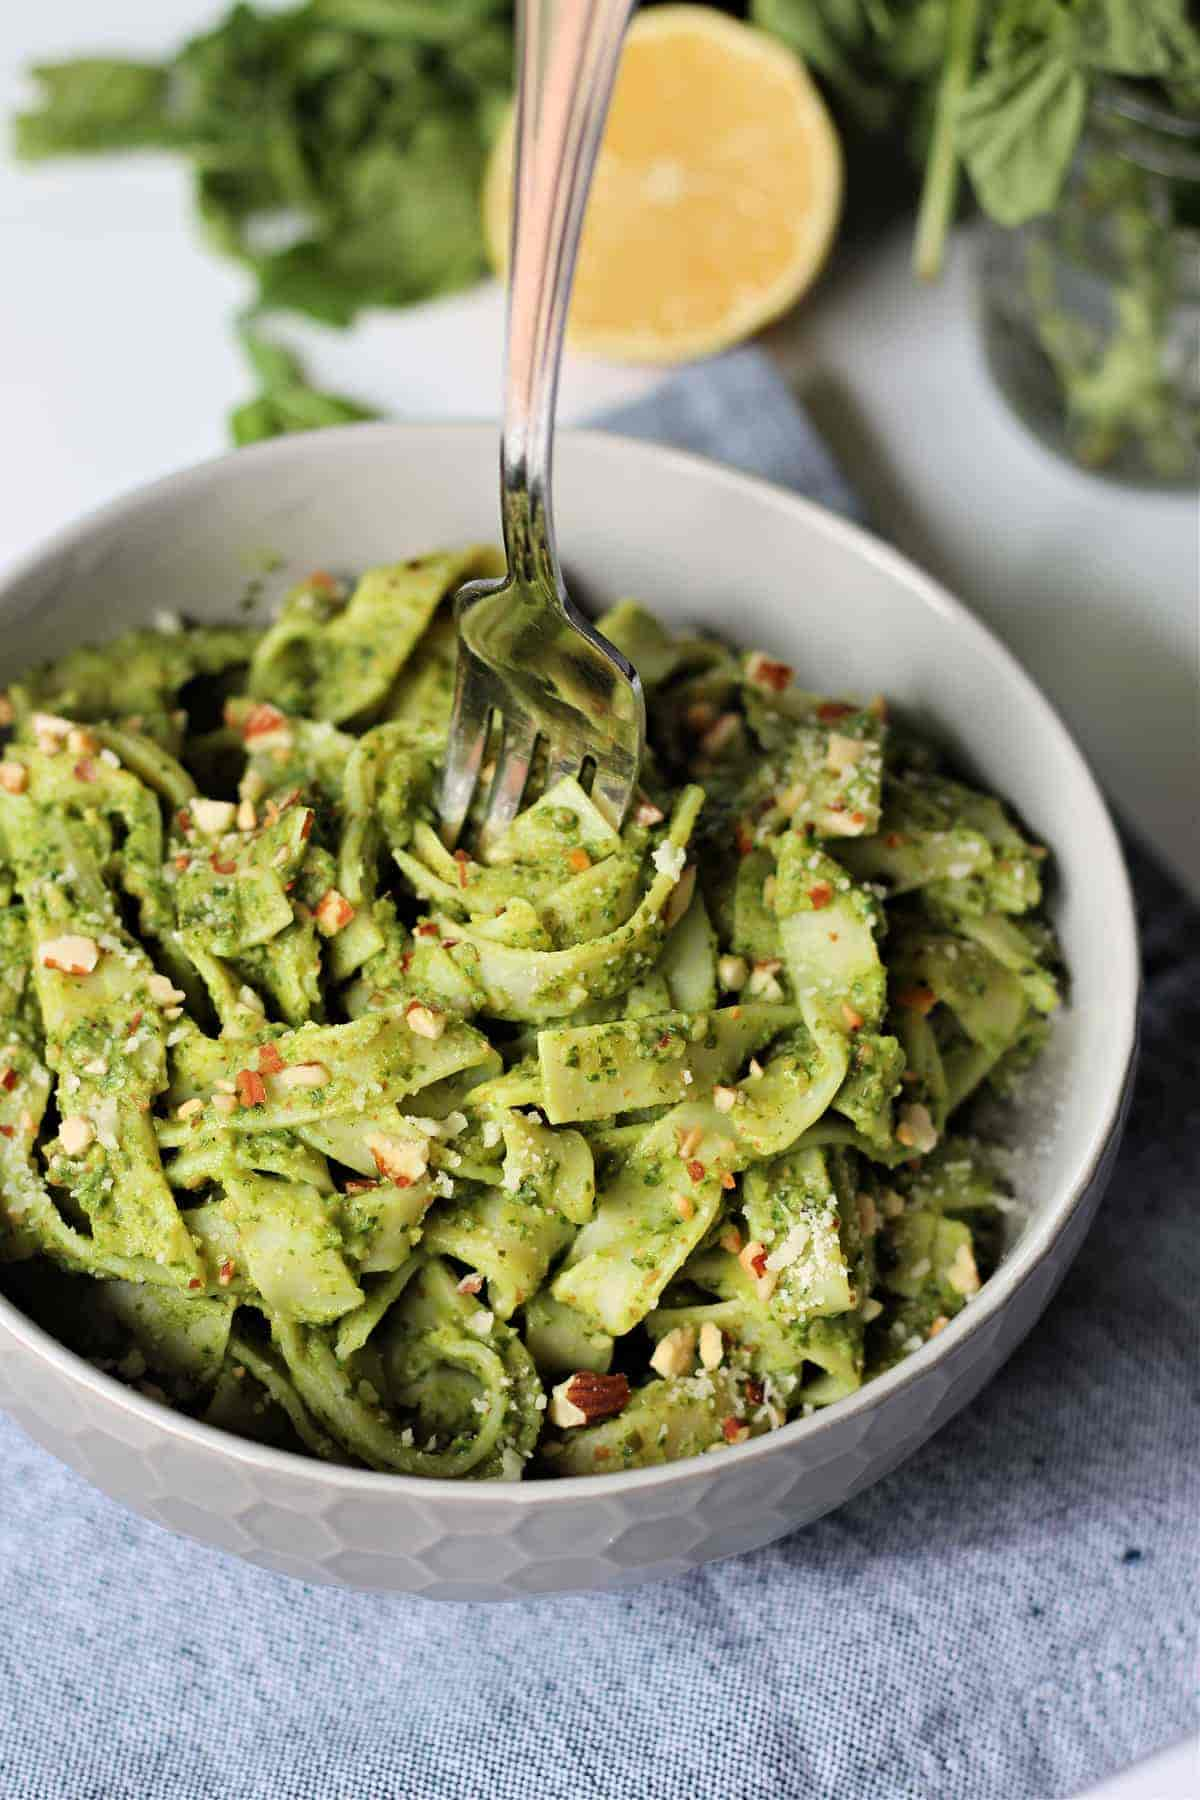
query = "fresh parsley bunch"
x=338 y=146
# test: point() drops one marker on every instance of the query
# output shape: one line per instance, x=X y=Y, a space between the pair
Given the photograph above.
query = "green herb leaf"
x=1138 y=37
x=1017 y=127
x=94 y=104
x=287 y=403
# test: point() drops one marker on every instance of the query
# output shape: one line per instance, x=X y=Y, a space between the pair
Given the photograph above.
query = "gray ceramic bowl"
x=700 y=544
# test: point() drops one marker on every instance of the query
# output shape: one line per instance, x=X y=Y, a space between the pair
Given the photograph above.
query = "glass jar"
x=1091 y=315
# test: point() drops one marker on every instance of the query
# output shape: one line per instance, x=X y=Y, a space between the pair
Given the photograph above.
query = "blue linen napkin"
x=1008 y=1617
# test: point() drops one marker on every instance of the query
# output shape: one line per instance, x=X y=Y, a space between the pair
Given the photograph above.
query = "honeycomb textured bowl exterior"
x=461 y=1541
x=701 y=545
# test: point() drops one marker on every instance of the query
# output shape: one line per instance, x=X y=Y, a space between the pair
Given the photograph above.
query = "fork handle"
x=567 y=52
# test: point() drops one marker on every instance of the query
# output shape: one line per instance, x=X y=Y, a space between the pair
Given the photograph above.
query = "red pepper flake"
x=728 y=1181
x=894 y=839
x=85 y=770
x=220 y=867
x=858 y=818
x=820 y=894
x=183 y=863
x=579 y=860
x=917 y=999
x=134 y=1023
x=425 y=929
x=261 y=720
x=269 y=1060
x=322 y=582
x=462 y=859
x=853 y=1018
x=195 y=1282
x=754 y=1393
x=696 y=1169
x=362 y=1186
x=731 y=1429
x=743 y=838
x=9 y=1080
x=758 y=1262
x=306 y=827
x=183 y=819
x=665 y=1041
x=833 y=709
x=406 y=962
x=449 y=943
x=252 y=1089
x=6 y=1130
x=226 y=1272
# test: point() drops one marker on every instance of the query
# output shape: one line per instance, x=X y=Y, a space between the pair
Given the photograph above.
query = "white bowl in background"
x=699 y=544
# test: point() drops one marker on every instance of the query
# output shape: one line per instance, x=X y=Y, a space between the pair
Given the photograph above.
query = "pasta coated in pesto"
x=616 y=1148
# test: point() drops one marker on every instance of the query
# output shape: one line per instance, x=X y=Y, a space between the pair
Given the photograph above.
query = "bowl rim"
x=1014 y=1271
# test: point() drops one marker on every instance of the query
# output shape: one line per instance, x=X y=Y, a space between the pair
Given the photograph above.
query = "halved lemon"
x=715 y=198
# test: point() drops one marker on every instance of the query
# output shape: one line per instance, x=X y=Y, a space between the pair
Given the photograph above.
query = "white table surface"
x=116 y=365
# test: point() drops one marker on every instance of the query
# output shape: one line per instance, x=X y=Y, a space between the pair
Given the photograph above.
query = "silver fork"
x=529 y=664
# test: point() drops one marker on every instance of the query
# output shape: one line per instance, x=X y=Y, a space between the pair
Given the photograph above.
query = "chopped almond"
x=14 y=777
x=402 y=1160
x=712 y=1345
x=470 y=1284
x=190 y=1109
x=212 y=817
x=724 y=1099
x=689 y=1139
x=225 y=1104
x=334 y=912
x=674 y=1353
x=683 y=1206
x=70 y=955
x=302 y=1075
x=265 y=727
x=425 y=1021
x=76 y=1135
x=731 y=1240
x=732 y=972
x=164 y=992
x=587 y=1397
x=646 y=813
x=765 y=673
x=49 y=725
x=916 y=1130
